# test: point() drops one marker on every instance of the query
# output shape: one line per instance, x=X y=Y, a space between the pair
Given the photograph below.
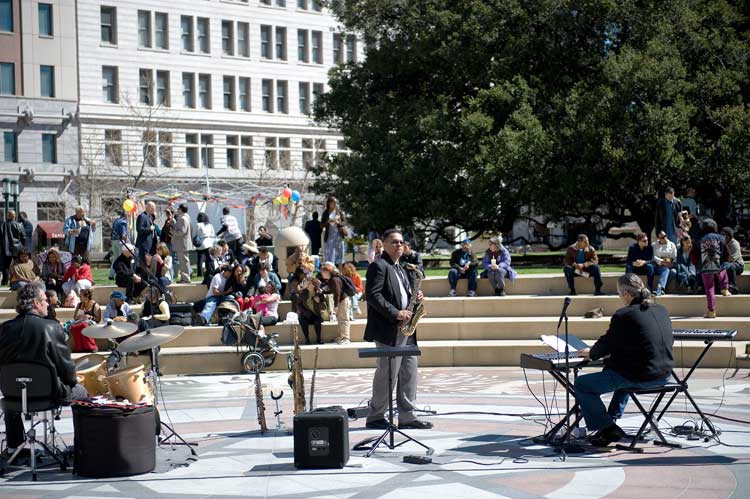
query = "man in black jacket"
x=128 y=274
x=144 y=226
x=12 y=239
x=30 y=337
x=389 y=289
x=639 y=344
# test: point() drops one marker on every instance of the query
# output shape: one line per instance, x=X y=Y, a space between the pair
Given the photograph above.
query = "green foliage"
x=464 y=111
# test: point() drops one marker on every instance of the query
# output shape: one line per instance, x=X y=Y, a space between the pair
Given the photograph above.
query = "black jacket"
x=12 y=238
x=30 y=337
x=125 y=269
x=145 y=239
x=384 y=300
x=639 y=342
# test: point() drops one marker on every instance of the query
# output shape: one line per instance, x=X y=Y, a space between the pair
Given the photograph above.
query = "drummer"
x=155 y=310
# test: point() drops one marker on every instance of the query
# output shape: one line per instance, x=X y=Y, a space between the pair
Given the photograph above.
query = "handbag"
x=197 y=240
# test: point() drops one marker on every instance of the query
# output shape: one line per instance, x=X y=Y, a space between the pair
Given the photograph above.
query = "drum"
x=92 y=369
x=130 y=383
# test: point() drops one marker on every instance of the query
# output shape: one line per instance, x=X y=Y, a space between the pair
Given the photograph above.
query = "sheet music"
x=558 y=343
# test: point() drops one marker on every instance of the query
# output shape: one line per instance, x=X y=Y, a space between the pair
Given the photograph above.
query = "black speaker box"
x=321 y=438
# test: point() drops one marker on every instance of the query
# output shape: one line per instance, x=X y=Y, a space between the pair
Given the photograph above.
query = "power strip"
x=357 y=412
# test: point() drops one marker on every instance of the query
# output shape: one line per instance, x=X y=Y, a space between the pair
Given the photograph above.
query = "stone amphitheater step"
x=219 y=359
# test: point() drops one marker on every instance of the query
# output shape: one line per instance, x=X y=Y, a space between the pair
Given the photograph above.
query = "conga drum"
x=91 y=371
x=130 y=383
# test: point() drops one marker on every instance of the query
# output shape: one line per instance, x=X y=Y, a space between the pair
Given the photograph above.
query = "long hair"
x=633 y=285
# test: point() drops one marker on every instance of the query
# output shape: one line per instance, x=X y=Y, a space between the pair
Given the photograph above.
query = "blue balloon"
x=295 y=196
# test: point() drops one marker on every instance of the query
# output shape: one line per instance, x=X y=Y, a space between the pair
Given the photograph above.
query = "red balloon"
x=287 y=193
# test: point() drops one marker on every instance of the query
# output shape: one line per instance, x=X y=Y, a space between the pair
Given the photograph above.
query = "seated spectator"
x=735 y=265
x=217 y=292
x=155 y=311
x=226 y=254
x=238 y=282
x=496 y=263
x=245 y=302
x=52 y=302
x=640 y=259
x=127 y=273
x=687 y=276
x=299 y=258
x=665 y=253
x=266 y=258
x=330 y=283
x=87 y=312
x=376 y=250
x=309 y=303
x=22 y=270
x=463 y=266
x=709 y=255
x=78 y=276
x=264 y=237
x=261 y=279
x=213 y=265
x=412 y=257
x=350 y=271
x=580 y=260
x=53 y=271
x=118 y=309
x=249 y=254
x=267 y=304
x=161 y=265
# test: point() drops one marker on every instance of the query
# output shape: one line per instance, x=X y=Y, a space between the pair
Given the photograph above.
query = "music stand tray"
x=388 y=436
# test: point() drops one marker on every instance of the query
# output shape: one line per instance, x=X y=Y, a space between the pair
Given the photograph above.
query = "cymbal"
x=150 y=339
x=110 y=330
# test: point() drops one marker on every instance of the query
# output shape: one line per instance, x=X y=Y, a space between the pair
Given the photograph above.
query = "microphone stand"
x=565 y=446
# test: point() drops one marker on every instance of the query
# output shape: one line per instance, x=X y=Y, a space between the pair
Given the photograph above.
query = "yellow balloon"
x=276 y=201
x=128 y=205
x=284 y=200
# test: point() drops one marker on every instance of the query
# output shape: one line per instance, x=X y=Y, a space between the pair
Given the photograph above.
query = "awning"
x=53 y=230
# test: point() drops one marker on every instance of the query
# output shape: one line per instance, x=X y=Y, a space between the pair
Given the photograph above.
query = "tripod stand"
x=388 y=436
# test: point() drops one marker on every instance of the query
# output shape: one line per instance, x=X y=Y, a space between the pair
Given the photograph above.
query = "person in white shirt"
x=216 y=292
x=205 y=237
x=230 y=232
x=665 y=253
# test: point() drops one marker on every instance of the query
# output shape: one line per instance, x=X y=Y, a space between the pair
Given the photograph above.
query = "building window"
x=338 y=48
x=247 y=152
x=308 y=154
x=232 y=151
x=267 y=95
x=45 y=19
x=109 y=84
x=351 y=48
x=303 y=51
x=317 y=91
x=144 y=29
x=207 y=151
x=191 y=150
x=109 y=25
x=317 y=47
x=162 y=88
x=165 y=149
x=47 y=80
x=229 y=93
x=244 y=94
x=49 y=148
x=285 y=154
x=10 y=139
x=243 y=39
x=204 y=91
x=272 y=154
x=149 y=148
x=317 y=6
x=227 y=37
x=265 y=42
x=145 y=86
x=50 y=210
x=281 y=44
x=304 y=97
x=6 y=15
x=204 y=36
x=188 y=90
x=265 y=2
x=186 y=28
x=161 y=31
x=113 y=147
x=7 y=78
x=282 y=89
x=302 y=4
x=281 y=3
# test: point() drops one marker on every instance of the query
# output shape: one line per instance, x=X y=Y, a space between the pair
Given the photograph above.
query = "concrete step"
x=218 y=359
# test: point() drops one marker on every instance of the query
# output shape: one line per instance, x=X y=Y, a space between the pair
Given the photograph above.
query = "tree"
x=464 y=111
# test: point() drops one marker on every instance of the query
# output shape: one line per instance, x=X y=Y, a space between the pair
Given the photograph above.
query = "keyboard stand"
x=551 y=438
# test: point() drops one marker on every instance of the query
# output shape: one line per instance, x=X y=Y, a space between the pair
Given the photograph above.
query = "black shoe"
x=598 y=292
x=606 y=436
x=499 y=292
x=320 y=342
x=572 y=292
x=417 y=424
x=378 y=424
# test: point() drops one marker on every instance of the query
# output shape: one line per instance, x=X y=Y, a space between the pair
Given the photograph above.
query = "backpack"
x=228 y=335
x=710 y=256
x=347 y=286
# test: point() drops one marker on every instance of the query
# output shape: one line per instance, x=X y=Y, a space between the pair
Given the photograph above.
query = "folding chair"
x=648 y=415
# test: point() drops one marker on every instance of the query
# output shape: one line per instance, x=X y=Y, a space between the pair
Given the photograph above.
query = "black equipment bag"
x=110 y=441
x=180 y=308
x=181 y=319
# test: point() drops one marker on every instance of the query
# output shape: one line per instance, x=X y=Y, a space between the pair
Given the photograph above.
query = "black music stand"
x=391 y=430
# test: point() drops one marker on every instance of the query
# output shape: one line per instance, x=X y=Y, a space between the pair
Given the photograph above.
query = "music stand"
x=388 y=436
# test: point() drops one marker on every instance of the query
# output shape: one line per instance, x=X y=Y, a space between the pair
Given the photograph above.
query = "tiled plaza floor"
x=477 y=454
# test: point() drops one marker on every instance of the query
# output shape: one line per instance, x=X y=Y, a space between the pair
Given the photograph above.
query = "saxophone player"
x=389 y=288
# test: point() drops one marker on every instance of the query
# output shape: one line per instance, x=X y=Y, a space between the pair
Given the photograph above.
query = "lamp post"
x=14 y=191
x=6 y=195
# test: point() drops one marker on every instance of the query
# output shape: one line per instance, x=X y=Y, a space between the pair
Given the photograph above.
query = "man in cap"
x=118 y=309
x=126 y=272
x=463 y=266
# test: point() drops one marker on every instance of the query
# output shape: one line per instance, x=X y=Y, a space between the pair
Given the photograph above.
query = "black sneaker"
x=572 y=292
x=606 y=436
x=417 y=424
x=377 y=424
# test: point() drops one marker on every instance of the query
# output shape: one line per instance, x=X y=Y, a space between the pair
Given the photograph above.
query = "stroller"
x=245 y=331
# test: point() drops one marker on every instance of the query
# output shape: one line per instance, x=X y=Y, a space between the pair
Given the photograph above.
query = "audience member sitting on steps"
x=78 y=276
x=299 y=258
x=52 y=300
x=126 y=273
x=161 y=265
x=267 y=304
x=86 y=310
x=53 y=271
x=687 y=275
x=118 y=309
x=331 y=284
x=155 y=311
x=309 y=303
x=640 y=259
x=261 y=279
x=350 y=271
x=463 y=266
x=217 y=292
x=665 y=253
x=735 y=265
x=580 y=260
x=213 y=264
x=22 y=270
x=412 y=257
x=709 y=255
x=496 y=263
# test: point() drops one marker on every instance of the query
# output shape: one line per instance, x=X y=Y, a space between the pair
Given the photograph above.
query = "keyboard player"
x=639 y=345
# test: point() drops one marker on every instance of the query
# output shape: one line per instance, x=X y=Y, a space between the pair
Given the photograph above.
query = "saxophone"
x=296 y=380
x=259 y=403
x=407 y=328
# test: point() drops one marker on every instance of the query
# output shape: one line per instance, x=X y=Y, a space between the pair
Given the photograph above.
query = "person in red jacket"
x=78 y=276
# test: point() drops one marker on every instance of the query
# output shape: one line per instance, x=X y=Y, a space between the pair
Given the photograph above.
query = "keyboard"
x=554 y=361
x=704 y=334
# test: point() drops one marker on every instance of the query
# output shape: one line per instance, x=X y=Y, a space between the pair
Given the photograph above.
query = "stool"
x=649 y=414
